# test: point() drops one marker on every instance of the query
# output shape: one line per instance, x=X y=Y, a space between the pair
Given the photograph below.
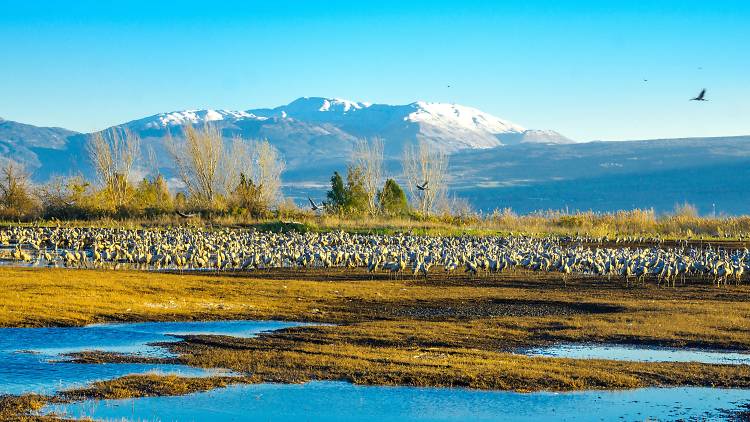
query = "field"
x=444 y=331
x=683 y=223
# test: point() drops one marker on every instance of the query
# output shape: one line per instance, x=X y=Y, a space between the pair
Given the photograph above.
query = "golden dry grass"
x=682 y=224
x=148 y=385
x=445 y=331
x=281 y=359
x=695 y=314
x=19 y=408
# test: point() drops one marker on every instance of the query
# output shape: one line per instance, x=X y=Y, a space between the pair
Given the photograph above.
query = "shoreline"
x=456 y=331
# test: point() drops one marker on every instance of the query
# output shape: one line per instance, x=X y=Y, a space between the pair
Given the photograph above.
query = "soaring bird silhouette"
x=314 y=206
x=423 y=186
x=186 y=215
x=701 y=96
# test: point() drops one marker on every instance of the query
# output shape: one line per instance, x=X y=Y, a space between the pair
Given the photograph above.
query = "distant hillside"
x=18 y=140
x=494 y=163
x=307 y=130
x=711 y=173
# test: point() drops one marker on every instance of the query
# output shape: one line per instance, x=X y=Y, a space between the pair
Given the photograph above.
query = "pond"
x=340 y=401
x=640 y=353
x=30 y=358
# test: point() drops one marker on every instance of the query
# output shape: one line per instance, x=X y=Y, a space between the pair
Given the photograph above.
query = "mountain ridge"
x=450 y=127
x=494 y=162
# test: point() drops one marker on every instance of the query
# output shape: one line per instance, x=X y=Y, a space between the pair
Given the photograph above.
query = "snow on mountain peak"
x=338 y=104
x=178 y=118
x=450 y=127
x=305 y=106
x=460 y=116
x=454 y=126
x=544 y=136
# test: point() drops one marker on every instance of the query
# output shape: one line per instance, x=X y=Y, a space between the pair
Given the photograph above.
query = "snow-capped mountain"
x=537 y=136
x=315 y=109
x=494 y=163
x=450 y=127
x=313 y=134
x=193 y=117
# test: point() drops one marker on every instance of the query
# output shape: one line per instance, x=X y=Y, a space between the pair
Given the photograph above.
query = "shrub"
x=16 y=199
x=152 y=197
x=249 y=197
x=392 y=199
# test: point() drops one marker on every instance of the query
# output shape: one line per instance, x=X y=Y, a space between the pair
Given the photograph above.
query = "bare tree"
x=207 y=165
x=267 y=171
x=198 y=159
x=426 y=167
x=56 y=193
x=16 y=199
x=368 y=156
x=152 y=162
x=112 y=154
x=238 y=162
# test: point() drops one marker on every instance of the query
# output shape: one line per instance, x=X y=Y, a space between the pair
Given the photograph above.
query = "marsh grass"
x=21 y=408
x=682 y=224
x=445 y=331
x=149 y=385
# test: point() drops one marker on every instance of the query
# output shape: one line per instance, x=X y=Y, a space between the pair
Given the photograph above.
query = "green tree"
x=153 y=196
x=357 y=199
x=181 y=201
x=249 y=197
x=392 y=199
x=349 y=198
x=337 y=195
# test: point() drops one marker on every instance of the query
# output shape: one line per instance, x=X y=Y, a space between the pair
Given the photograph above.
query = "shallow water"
x=27 y=364
x=640 y=353
x=339 y=401
x=29 y=357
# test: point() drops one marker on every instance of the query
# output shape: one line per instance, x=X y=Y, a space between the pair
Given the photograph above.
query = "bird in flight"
x=701 y=96
x=314 y=206
x=186 y=215
x=423 y=186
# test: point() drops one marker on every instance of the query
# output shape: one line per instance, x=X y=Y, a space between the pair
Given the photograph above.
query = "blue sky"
x=576 y=67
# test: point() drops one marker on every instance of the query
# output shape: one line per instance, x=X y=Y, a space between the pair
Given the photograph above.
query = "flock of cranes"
x=238 y=250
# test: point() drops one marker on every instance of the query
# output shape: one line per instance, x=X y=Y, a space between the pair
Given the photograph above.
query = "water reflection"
x=339 y=401
x=640 y=353
x=29 y=357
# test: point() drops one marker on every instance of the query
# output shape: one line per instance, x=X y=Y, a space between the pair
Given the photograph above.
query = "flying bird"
x=423 y=186
x=701 y=96
x=186 y=215
x=314 y=206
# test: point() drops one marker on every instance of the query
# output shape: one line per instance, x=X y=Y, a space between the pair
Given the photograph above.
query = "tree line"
x=422 y=166
x=215 y=176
